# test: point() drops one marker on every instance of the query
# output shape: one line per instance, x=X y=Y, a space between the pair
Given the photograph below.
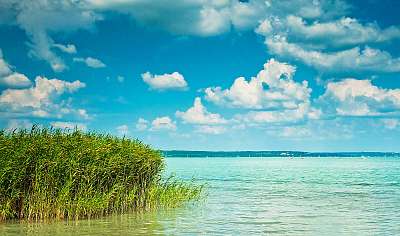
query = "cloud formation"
x=301 y=114
x=340 y=32
x=193 y=17
x=141 y=124
x=174 y=81
x=352 y=97
x=42 y=100
x=333 y=43
x=41 y=18
x=9 y=78
x=272 y=88
x=69 y=48
x=199 y=115
x=16 y=124
x=354 y=59
x=304 y=24
x=162 y=123
x=122 y=130
x=90 y=62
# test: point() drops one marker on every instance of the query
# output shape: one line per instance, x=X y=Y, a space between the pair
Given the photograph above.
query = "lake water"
x=263 y=196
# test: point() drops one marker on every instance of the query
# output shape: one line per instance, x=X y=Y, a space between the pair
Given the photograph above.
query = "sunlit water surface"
x=263 y=196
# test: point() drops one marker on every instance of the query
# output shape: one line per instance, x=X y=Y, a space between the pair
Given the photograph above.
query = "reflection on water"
x=248 y=196
x=126 y=224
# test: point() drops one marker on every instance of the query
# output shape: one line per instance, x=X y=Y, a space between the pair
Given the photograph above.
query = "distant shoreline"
x=183 y=153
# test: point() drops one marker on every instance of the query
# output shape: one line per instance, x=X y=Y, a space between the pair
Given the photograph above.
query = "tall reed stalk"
x=52 y=173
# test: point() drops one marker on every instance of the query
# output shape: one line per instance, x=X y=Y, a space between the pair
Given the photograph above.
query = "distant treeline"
x=182 y=153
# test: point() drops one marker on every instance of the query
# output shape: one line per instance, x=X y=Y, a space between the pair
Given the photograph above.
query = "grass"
x=48 y=173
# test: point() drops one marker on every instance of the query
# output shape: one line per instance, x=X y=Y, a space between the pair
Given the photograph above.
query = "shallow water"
x=258 y=196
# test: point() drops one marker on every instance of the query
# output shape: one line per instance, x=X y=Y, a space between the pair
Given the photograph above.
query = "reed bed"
x=48 y=173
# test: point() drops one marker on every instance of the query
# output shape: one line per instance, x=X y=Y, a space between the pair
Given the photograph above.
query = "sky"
x=308 y=75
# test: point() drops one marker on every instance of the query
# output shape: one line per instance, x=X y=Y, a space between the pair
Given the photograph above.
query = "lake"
x=263 y=196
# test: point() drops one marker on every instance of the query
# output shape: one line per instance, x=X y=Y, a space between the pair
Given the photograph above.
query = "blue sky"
x=207 y=75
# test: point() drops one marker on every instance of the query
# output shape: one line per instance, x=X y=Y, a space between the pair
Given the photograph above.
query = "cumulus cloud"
x=42 y=100
x=68 y=125
x=142 y=124
x=165 y=81
x=273 y=97
x=340 y=32
x=122 y=130
x=192 y=17
x=162 y=123
x=332 y=43
x=352 y=97
x=90 y=62
x=69 y=48
x=302 y=113
x=208 y=18
x=198 y=114
x=9 y=78
x=272 y=88
x=354 y=59
x=15 y=80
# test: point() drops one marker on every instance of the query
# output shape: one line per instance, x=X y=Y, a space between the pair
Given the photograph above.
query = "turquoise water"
x=264 y=196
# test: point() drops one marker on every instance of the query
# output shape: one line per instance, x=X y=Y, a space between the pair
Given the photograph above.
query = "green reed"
x=68 y=174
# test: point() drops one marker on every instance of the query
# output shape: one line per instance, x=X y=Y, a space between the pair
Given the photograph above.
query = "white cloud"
x=15 y=80
x=42 y=100
x=264 y=28
x=122 y=130
x=90 y=62
x=353 y=59
x=15 y=124
x=5 y=68
x=68 y=125
x=9 y=78
x=320 y=9
x=198 y=114
x=165 y=81
x=344 y=31
x=272 y=88
x=69 y=48
x=275 y=96
x=142 y=124
x=82 y=113
x=340 y=32
x=120 y=78
x=162 y=123
x=352 y=97
x=213 y=17
x=40 y=18
x=303 y=113
x=193 y=17
x=332 y=43
x=207 y=129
